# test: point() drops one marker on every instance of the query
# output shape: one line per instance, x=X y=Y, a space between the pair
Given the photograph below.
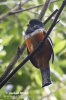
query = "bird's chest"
x=33 y=42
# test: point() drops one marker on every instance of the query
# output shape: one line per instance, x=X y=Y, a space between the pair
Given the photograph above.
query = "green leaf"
x=59 y=46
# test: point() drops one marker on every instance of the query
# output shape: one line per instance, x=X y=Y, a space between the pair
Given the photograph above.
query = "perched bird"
x=34 y=34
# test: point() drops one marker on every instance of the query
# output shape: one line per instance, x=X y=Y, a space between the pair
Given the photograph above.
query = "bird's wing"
x=51 y=43
x=33 y=61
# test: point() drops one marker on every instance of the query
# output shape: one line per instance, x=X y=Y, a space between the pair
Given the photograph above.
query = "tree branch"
x=11 y=12
x=13 y=62
x=44 y=9
x=50 y=16
x=40 y=45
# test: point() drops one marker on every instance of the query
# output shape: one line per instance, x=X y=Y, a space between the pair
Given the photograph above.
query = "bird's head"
x=34 y=25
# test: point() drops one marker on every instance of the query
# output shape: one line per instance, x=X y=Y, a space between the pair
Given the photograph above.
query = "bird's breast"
x=32 y=42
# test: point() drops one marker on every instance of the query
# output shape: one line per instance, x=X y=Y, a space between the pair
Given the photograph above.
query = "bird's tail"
x=45 y=73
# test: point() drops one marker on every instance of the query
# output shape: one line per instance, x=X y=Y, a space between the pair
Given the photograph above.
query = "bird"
x=34 y=34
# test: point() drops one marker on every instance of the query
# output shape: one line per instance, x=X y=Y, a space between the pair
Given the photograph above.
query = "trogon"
x=34 y=34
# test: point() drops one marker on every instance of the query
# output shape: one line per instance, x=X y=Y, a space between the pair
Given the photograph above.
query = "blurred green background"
x=26 y=83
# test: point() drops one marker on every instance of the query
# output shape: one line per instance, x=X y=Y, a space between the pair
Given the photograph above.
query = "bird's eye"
x=36 y=26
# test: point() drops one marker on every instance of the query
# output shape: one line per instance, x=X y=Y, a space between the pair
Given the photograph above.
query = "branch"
x=11 y=12
x=13 y=62
x=50 y=16
x=40 y=45
x=45 y=7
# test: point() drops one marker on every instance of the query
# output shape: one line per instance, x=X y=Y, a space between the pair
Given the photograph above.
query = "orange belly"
x=32 y=42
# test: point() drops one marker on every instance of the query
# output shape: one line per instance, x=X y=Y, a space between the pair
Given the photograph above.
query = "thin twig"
x=11 y=12
x=50 y=16
x=40 y=45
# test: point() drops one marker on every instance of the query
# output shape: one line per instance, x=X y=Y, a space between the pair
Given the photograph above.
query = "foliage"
x=26 y=83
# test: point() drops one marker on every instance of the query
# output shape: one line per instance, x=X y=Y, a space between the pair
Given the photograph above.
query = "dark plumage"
x=33 y=25
x=41 y=58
